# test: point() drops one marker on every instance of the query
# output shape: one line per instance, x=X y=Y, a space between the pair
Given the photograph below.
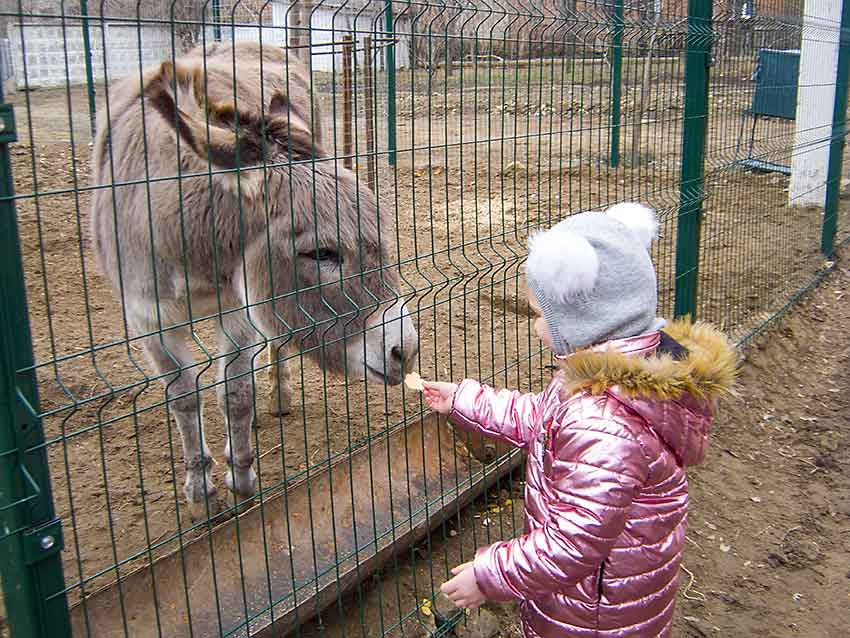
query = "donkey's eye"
x=324 y=255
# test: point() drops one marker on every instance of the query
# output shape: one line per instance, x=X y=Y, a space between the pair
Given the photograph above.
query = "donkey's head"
x=317 y=251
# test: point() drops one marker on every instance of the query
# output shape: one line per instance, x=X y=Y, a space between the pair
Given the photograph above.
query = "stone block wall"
x=50 y=55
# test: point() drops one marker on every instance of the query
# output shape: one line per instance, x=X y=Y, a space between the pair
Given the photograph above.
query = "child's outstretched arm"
x=595 y=473
x=506 y=415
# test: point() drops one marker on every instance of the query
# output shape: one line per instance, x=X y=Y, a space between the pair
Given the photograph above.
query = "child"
x=608 y=441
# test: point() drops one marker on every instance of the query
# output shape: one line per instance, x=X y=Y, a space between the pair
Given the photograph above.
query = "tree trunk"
x=641 y=105
x=300 y=15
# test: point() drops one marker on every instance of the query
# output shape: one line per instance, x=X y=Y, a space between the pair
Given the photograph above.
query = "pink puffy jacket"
x=606 y=495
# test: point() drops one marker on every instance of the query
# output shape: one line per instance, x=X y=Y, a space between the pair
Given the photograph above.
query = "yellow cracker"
x=414 y=382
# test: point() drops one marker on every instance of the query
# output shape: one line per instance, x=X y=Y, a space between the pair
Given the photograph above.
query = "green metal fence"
x=236 y=243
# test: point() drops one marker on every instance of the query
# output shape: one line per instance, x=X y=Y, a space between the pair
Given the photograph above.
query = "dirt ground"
x=473 y=176
x=768 y=550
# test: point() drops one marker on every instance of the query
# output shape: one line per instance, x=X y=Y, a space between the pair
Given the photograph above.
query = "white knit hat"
x=593 y=276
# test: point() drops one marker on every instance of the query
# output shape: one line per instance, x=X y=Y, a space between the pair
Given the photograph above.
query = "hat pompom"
x=639 y=218
x=562 y=264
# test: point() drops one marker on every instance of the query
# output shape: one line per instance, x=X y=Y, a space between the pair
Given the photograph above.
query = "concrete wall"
x=7 y=69
x=44 y=45
x=39 y=52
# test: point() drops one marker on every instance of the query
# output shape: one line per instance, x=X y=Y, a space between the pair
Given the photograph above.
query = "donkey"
x=216 y=199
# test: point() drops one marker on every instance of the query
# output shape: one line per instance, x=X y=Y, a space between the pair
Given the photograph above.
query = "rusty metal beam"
x=266 y=572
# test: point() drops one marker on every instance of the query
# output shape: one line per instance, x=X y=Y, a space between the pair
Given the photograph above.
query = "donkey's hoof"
x=279 y=400
x=241 y=480
x=239 y=504
x=200 y=510
x=279 y=408
x=278 y=414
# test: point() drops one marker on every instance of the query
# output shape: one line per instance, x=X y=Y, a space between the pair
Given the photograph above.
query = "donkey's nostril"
x=396 y=354
x=404 y=355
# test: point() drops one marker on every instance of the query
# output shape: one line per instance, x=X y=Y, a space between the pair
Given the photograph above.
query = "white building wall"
x=39 y=50
x=330 y=25
x=815 y=102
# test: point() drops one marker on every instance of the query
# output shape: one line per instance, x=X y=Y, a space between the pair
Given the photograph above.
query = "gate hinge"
x=8 y=131
x=43 y=542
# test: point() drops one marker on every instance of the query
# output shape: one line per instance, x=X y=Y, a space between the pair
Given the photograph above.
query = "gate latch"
x=8 y=131
x=43 y=541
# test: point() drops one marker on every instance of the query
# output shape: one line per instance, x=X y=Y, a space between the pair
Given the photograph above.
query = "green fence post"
x=216 y=16
x=390 y=50
x=616 y=84
x=697 y=62
x=84 y=12
x=836 y=145
x=30 y=534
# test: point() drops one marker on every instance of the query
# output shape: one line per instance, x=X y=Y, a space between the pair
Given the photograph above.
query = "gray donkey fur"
x=253 y=224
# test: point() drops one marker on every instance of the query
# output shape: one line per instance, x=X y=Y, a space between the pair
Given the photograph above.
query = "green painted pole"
x=84 y=12
x=616 y=91
x=30 y=534
x=216 y=15
x=691 y=184
x=836 y=145
x=390 y=55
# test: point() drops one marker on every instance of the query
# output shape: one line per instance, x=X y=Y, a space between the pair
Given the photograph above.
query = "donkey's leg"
x=239 y=343
x=280 y=381
x=169 y=356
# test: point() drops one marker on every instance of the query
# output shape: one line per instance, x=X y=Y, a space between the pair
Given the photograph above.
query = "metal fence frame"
x=32 y=536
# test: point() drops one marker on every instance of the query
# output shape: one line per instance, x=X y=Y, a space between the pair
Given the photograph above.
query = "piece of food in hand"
x=414 y=382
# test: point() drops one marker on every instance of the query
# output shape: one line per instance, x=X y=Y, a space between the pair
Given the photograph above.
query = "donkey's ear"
x=310 y=114
x=186 y=78
x=219 y=144
x=279 y=104
x=215 y=143
x=289 y=129
x=172 y=92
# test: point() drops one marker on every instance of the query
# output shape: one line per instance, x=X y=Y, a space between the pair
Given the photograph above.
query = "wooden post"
x=300 y=14
x=643 y=94
x=347 y=146
x=371 y=172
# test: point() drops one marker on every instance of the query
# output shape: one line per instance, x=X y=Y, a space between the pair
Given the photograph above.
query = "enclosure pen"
x=212 y=292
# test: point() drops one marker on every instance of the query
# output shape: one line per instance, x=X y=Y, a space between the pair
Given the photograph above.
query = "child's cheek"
x=542 y=330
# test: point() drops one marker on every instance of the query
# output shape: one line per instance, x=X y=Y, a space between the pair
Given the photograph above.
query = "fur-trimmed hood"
x=673 y=388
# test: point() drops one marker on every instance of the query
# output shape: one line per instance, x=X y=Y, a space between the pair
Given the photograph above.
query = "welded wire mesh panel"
x=771 y=116
x=225 y=210
x=283 y=208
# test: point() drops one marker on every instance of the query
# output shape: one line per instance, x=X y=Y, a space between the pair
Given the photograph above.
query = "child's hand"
x=439 y=395
x=463 y=590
